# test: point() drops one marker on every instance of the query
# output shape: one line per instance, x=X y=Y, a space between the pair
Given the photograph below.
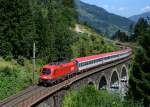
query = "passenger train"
x=52 y=74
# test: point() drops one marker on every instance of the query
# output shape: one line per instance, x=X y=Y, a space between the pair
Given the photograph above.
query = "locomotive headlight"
x=45 y=77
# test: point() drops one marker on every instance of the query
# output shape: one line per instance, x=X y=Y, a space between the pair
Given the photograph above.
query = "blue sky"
x=122 y=7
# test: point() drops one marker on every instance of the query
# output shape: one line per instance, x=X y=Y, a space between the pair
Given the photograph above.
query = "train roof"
x=49 y=66
x=59 y=62
x=82 y=59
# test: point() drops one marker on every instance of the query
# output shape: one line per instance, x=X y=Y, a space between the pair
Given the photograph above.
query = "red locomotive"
x=52 y=74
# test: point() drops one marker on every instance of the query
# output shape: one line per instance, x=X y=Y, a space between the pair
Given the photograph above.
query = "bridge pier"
x=54 y=100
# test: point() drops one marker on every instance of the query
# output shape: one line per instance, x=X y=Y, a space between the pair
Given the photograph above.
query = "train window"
x=93 y=62
x=105 y=58
x=82 y=64
x=90 y=62
x=97 y=60
x=86 y=63
x=79 y=64
x=46 y=71
x=100 y=59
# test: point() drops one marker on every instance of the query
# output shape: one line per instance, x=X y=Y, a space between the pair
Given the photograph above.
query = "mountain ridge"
x=101 y=20
x=135 y=18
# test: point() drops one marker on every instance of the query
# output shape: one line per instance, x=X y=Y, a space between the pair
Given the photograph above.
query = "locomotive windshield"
x=46 y=71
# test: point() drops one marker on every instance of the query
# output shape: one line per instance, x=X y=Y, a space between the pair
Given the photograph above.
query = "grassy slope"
x=89 y=42
x=14 y=77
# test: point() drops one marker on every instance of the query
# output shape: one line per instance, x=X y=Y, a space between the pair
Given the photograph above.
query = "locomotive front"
x=46 y=75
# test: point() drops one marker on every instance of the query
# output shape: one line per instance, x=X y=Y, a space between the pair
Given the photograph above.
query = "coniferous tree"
x=140 y=75
x=46 y=22
x=121 y=36
x=139 y=27
x=17 y=30
x=53 y=20
x=44 y=29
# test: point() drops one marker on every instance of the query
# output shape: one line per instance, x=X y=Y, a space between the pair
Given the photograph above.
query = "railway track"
x=8 y=101
x=34 y=94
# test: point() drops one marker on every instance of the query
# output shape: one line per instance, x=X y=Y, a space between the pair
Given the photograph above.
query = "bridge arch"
x=103 y=83
x=124 y=74
x=91 y=82
x=114 y=83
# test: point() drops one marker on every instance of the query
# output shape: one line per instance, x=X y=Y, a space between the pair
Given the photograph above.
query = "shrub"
x=20 y=60
x=91 y=97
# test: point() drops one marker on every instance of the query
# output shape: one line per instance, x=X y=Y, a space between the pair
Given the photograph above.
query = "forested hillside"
x=45 y=22
x=48 y=23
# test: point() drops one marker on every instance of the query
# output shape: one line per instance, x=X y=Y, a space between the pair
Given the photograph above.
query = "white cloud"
x=109 y=7
x=121 y=9
x=105 y=6
x=146 y=8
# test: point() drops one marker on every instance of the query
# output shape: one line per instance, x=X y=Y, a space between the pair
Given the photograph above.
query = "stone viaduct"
x=113 y=78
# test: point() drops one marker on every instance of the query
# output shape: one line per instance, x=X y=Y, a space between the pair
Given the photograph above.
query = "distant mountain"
x=101 y=20
x=136 y=17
